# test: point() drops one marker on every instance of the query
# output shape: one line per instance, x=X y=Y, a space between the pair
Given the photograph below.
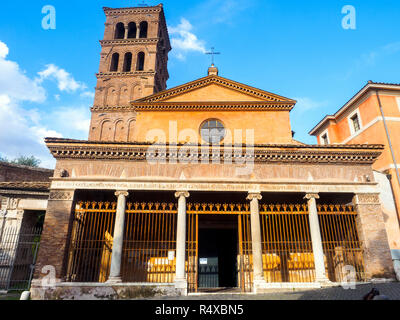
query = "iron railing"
x=18 y=253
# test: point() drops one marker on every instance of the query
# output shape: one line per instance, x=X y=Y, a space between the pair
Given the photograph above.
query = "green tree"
x=3 y=158
x=27 y=161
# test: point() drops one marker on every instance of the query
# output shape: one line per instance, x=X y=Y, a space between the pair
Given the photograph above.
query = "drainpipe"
x=395 y=253
x=388 y=137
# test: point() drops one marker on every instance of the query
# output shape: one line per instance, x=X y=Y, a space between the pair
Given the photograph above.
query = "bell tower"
x=134 y=55
x=133 y=60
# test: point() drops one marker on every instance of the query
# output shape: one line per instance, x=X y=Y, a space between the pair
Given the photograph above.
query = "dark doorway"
x=218 y=249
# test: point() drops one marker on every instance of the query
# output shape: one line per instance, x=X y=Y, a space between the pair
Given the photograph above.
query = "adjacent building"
x=23 y=202
x=372 y=116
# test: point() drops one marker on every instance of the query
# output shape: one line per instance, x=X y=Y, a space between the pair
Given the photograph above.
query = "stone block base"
x=100 y=291
x=268 y=287
x=182 y=287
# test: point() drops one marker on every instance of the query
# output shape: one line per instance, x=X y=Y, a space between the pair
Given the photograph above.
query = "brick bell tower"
x=133 y=65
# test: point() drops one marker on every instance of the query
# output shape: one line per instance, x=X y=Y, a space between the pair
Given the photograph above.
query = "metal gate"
x=341 y=243
x=244 y=259
x=18 y=253
x=286 y=242
x=149 y=242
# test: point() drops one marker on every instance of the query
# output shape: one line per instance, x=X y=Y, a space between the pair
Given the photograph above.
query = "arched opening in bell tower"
x=127 y=62
x=119 y=31
x=114 y=62
x=132 y=30
x=140 y=61
x=143 y=29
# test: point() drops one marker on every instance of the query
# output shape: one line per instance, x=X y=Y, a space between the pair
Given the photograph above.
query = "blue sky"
x=297 y=49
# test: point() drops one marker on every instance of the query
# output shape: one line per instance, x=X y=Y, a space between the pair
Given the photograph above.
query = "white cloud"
x=184 y=40
x=19 y=135
x=73 y=122
x=367 y=60
x=226 y=12
x=3 y=50
x=307 y=104
x=87 y=94
x=22 y=129
x=65 y=80
x=14 y=83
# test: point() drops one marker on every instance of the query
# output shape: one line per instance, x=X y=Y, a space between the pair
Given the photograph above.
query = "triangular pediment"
x=214 y=89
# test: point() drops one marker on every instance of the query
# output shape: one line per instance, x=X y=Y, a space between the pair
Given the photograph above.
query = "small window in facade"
x=324 y=139
x=212 y=131
x=398 y=102
x=356 y=123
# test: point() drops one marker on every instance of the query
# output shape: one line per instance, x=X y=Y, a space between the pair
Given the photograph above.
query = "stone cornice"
x=34 y=186
x=251 y=91
x=123 y=42
x=132 y=10
x=198 y=106
x=124 y=74
x=343 y=154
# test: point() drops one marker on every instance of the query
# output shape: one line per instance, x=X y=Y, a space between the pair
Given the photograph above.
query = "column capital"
x=254 y=195
x=310 y=196
x=179 y=194
x=124 y=193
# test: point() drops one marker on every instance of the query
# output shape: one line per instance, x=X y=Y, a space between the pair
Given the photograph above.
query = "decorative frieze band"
x=204 y=154
x=188 y=106
x=61 y=195
x=367 y=199
x=117 y=42
x=227 y=186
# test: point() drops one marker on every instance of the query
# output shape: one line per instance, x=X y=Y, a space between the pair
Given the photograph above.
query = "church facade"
x=200 y=187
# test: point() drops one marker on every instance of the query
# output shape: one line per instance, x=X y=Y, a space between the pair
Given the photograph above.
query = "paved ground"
x=391 y=290
x=10 y=296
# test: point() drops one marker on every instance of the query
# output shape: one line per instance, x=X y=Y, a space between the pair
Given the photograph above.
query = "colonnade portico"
x=181 y=282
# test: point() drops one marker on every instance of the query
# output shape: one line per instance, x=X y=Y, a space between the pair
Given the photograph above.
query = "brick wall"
x=16 y=173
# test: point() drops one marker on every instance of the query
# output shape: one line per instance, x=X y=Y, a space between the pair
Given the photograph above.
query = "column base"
x=114 y=280
x=324 y=282
x=259 y=285
x=182 y=286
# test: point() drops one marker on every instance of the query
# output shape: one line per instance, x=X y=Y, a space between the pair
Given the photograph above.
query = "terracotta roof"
x=36 y=186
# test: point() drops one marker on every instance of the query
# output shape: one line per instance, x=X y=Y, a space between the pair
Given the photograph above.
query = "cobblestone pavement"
x=391 y=290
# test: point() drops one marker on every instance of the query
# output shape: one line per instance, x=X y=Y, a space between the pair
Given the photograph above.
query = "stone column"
x=126 y=32
x=116 y=258
x=138 y=32
x=180 y=276
x=372 y=233
x=256 y=244
x=316 y=238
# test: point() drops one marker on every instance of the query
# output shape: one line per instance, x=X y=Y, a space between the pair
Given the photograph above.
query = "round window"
x=212 y=131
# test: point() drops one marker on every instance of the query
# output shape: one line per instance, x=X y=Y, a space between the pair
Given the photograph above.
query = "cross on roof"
x=212 y=53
